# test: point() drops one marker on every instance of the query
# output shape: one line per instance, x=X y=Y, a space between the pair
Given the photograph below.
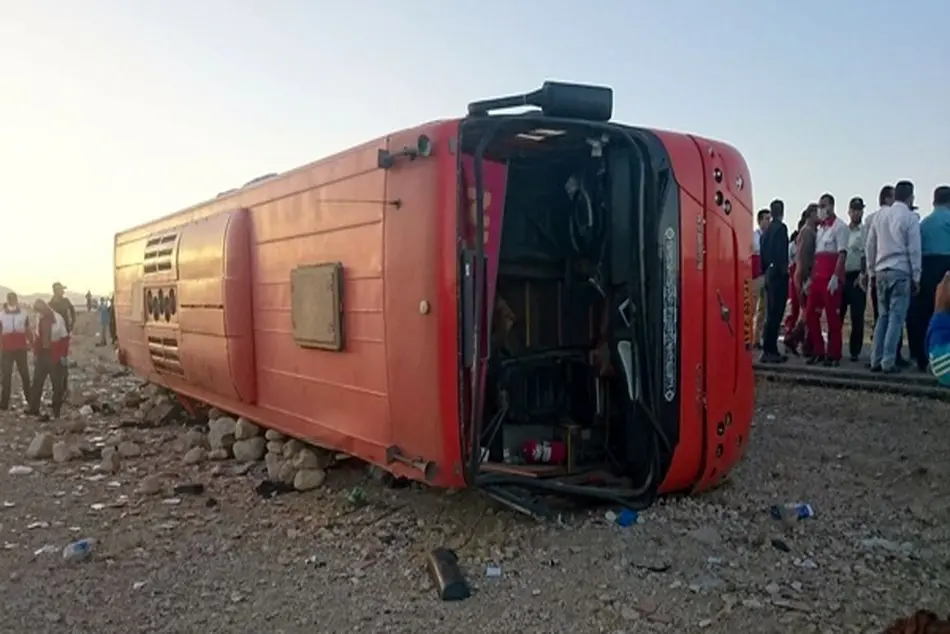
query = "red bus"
x=534 y=302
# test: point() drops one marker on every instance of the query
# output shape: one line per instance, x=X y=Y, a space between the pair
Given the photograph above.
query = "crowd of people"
x=827 y=268
x=46 y=331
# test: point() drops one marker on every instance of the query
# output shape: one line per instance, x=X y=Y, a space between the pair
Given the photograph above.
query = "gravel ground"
x=226 y=560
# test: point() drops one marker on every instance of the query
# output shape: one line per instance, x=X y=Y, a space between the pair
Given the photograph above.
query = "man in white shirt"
x=894 y=260
x=855 y=293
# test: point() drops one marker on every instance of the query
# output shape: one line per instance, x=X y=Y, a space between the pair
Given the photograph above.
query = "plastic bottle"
x=792 y=510
x=78 y=551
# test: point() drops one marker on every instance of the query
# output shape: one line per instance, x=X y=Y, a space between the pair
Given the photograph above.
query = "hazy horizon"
x=116 y=113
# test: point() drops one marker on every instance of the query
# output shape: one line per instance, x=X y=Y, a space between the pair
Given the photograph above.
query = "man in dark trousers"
x=854 y=297
x=50 y=346
x=16 y=336
x=935 y=263
x=774 y=252
x=61 y=304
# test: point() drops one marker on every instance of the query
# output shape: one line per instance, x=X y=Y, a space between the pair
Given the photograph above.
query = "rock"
x=221 y=432
x=111 y=460
x=286 y=473
x=41 y=447
x=62 y=452
x=249 y=450
x=214 y=413
x=707 y=535
x=219 y=454
x=85 y=410
x=313 y=458
x=150 y=485
x=275 y=447
x=291 y=447
x=75 y=426
x=115 y=438
x=129 y=449
x=245 y=429
x=308 y=479
x=629 y=614
x=306 y=459
x=195 y=455
x=274 y=463
x=273 y=434
x=132 y=399
x=194 y=438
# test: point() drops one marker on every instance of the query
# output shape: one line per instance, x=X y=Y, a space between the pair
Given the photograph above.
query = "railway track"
x=910 y=383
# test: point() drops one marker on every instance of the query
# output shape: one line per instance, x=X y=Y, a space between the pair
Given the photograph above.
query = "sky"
x=115 y=112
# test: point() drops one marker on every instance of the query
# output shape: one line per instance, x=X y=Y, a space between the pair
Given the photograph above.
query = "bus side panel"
x=688 y=173
x=333 y=398
x=729 y=381
x=415 y=303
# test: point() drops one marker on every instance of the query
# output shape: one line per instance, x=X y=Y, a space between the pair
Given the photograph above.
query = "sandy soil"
x=226 y=560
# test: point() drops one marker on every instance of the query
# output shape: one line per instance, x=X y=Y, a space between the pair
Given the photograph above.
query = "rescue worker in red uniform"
x=50 y=347
x=16 y=335
x=827 y=284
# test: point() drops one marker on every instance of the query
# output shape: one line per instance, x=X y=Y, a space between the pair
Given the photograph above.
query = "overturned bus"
x=536 y=302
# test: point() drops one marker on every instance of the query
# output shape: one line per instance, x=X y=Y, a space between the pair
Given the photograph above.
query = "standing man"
x=50 y=346
x=775 y=261
x=112 y=328
x=935 y=263
x=758 y=277
x=61 y=305
x=894 y=262
x=885 y=199
x=827 y=284
x=855 y=285
x=88 y=301
x=16 y=336
x=103 y=321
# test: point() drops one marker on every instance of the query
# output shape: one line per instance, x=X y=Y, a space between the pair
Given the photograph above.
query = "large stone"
x=307 y=479
x=194 y=438
x=275 y=447
x=287 y=473
x=274 y=462
x=150 y=485
x=245 y=429
x=221 y=432
x=312 y=458
x=111 y=460
x=129 y=449
x=249 y=450
x=291 y=447
x=62 y=452
x=219 y=454
x=41 y=447
x=195 y=455
x=273 y=434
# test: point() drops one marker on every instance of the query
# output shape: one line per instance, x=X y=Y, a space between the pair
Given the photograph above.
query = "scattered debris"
x=446 y=575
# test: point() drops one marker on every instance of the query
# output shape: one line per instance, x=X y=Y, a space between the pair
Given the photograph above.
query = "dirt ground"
x=227 y=560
